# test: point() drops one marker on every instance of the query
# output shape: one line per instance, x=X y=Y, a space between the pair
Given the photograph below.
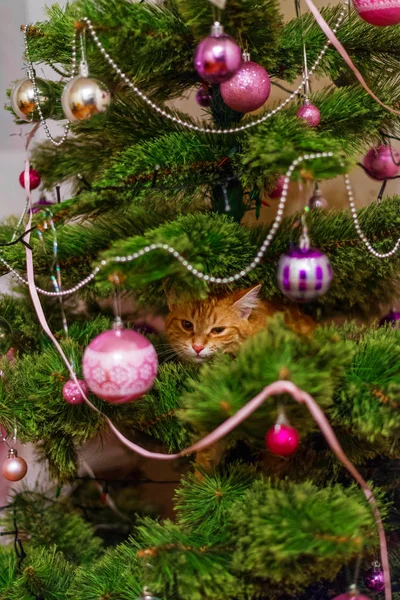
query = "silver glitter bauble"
x=23 y=99
x=83 y=97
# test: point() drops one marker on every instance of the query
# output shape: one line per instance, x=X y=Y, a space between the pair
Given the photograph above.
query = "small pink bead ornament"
x=282 y=438
x=120 y=365
x=71 y=392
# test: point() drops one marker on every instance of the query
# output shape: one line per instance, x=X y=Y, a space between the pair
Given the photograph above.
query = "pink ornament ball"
x=217 y=57
x=379 y=164
x=203 y=96
x=248 y=89
x=34 y=179
x=282 y=439
x=71 y=392
x=278 y=189
x=351 y=596
x=379 y=12
x=309 y=113
x=374 y=579
x=120 y=365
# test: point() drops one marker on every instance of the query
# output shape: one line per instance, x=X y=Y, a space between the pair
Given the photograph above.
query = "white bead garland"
x=251 y=266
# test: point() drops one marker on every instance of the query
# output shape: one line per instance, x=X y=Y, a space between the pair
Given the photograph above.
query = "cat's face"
x=197 y=330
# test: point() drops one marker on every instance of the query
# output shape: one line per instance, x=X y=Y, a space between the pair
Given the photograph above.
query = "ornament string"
x=276 y=388
x=256 y=260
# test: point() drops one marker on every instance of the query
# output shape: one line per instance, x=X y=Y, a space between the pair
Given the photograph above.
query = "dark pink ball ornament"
x=203 y=96
x=34 y=179
x=392 y=318
x=71 y=392
x=374 y=579
x=379 y=164
x=377 y=12
x=278 y=189
x=249 y=87
x=282 y=439
x=309 y=113
x=218 y=56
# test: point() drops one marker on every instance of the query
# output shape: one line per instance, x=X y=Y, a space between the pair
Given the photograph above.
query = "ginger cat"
x=197 y=330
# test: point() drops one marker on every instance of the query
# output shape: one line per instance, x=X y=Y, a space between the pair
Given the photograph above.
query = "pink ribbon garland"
x=343 y=53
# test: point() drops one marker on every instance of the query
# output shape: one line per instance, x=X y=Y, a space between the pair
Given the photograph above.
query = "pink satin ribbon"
x=335 y=42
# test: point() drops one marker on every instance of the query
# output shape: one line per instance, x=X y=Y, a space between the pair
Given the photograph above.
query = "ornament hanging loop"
x=83 y=65
x=304 y=241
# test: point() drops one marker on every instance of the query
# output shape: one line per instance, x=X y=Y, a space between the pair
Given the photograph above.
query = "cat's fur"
x=240 y=314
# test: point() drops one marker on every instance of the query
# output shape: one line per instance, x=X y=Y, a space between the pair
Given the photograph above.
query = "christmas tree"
x=164 y=214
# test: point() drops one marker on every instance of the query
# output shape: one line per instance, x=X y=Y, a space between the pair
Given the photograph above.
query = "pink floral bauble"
x=71 y=392
x=379 y=163
x=248 y=89
x=120 y=365
x=309 y=113
x=282 y=440
x=379 y=12
x=34 y=179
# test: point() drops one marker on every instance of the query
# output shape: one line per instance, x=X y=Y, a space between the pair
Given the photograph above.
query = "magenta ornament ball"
x=217 y=58
x=248 y=89
x=351 y=596
x=392 y=318
x=282 y=440
x=379 y=163
x=379 y=12
x=120 y=365
x=278 y=189
x=309 y=113
x=71 y=392
x=304 y=274
x=203 y=96
x=34 y=179
x=374 y=580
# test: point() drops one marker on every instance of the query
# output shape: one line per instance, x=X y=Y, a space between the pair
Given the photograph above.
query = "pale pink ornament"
x=14 y=468
x=248 y=89
x=71 y=392
x=379 y=12
x=120 y=365
x=309 y=113
x=379 y=164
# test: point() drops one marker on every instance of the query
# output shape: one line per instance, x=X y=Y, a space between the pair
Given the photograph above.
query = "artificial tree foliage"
x=246 y=523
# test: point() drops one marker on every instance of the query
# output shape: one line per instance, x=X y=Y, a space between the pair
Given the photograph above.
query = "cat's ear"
x=171 y=298
x=246 y=300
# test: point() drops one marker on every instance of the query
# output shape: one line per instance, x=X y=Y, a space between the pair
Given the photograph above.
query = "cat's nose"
x=197 y=348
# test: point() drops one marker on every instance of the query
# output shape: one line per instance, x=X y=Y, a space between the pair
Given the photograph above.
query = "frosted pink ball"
x=248 y=89
x=71 y=392
x=378 y=12
x=282 y=440
x=379 y=162
x=120 y=365
x=309 y=113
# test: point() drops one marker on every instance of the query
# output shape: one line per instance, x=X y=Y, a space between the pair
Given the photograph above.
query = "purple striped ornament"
x=304 y=274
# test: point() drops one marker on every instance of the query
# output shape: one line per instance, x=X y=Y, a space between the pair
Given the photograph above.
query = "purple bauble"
x=282 y=439
x=217 y=57
x=34 y=179
x=304 y=274
x=40 y=205
x=120 y=365
x=278 y=189
x=317 y=201
x=374 y=579
x=309 y=113
x=71 y=392
x=379 y=164
x=248 y=89
x=392 y=318
x=203 y=96
x=379 y=12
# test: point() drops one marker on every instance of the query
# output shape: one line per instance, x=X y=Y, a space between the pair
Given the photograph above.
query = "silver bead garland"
x=187 y=124
x=251 y=266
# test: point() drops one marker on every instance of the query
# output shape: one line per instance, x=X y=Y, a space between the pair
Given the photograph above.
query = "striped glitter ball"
x=304 y=274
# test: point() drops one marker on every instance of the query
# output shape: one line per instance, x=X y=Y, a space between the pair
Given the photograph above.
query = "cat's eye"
x=187 y=325
x=217 y=329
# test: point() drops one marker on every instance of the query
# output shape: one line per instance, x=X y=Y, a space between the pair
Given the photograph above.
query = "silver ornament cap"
x=84 y=97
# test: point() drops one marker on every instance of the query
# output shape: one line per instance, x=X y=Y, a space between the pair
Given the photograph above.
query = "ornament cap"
x=217 y=29
x=353 y=590
x=117 y=324
x=83 y=68
x=246 y=56
x=12 y=453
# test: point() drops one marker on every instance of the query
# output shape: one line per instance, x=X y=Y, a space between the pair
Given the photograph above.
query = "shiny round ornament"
x=392 y=318
x=351 y=595
x=5 y=336
x=317 y=201
x=84 y=97
x=34 y=179
x=374 y=579
x=379 y=12
x=282 y=439
x=309 y=113
x=304 y=274
x=249 y=87
x=120 y=365
x=71 y=392
x=14 y=468
x=278 y=189
x=203 y=96
x=23 y=99
x=218 y=56
x=379 y=164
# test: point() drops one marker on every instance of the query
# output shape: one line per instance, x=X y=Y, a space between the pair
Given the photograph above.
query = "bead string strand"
x=304 y=82
x=32 y=77
x=251 y=266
